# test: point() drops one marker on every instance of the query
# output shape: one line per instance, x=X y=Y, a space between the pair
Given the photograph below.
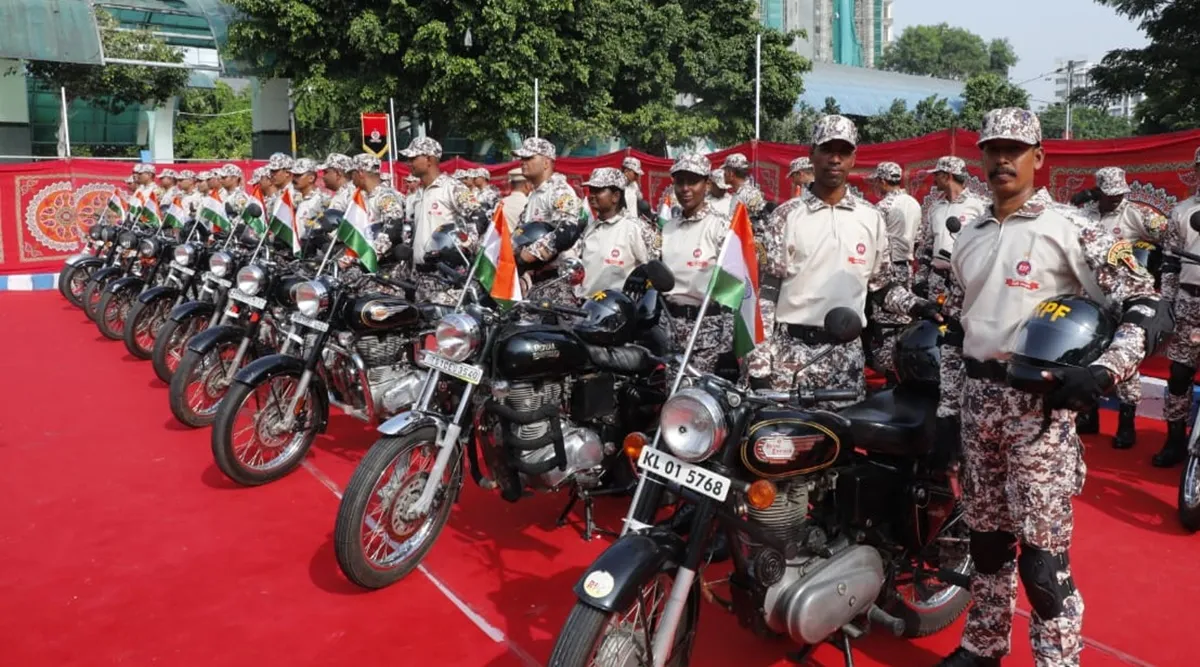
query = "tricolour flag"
x=283 y=221
x=355 y=232
x=664 y=212
x=257 y=223
x=735 y=283
x=175 y=215
x=212 y=212
x=116 y=205
x=496 y=266
x=586 y=217
x=151 y=214
x=136 y=202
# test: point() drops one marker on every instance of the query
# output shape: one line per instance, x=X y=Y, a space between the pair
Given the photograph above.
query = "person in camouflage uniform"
x=1181 y=287
x=215 y=183
x=1022 y=460
x=829 y=249
x=935 y=244
x=279 y=166
x=902 y=216
x=553 y=201
x=616 y=242
x=631 y=168
x=485 y=193
x=168 y=186
x=800 y=172
x=309 y=200
x=335 y=171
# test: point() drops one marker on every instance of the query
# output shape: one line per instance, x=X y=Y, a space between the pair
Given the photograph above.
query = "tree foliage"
x=114 y=88
x=1167 y=71
x=988 y=91
x=1086 y=123
x=223 y=131
x=947 y=52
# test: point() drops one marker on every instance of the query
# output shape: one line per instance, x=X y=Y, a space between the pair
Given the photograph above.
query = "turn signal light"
x=941 y=300
x=633 y=445
x=760 y=495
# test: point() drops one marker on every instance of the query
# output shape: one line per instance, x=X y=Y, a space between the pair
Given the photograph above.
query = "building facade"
x=844 y=32
x=1066 y=80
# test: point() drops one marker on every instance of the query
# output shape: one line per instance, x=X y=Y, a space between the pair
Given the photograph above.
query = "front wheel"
x=143 y=324
x=72 y=281
x=376 y=539
x=594 y=637
x=171 y=343
x=251 y=441
x=112 y=313
x=92 y=295
x=1189 y=494
x=200 y=381
x=925 y=604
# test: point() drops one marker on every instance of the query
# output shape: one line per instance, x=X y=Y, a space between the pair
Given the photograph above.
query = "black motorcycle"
x=150 y=270
x=119 y=263
x=149 y=313
x=833 y=520
x=78 y=269
x=559 y=400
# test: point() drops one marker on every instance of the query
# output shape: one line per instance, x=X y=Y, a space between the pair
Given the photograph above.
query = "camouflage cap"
x=536 y=146
x=693 y=163
x=887 y=172
x=232 y=170
x=304 y=166
x=481 y=172
x=1111 y=181
x=802 y=163
x=169 y=173
x=343 y=163
x=279 y=161
x=366 y=162
x=143 y=168
x=1012 y=124
x=187 y=175
x=460 y=174
x=129 y=180
x=735 y=161
x=422 y=146
x=632 y=164
x=955 y=166
x=717 y=176
x=204 y=175
x=606 y=177
x=412 y=178
x=516 y=175
x=833 y=127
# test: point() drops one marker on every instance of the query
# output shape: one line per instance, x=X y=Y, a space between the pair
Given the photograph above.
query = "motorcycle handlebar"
x=398 y=284
x=806 y=397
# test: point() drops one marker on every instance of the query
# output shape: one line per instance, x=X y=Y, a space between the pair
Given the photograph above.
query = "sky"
x=1040 y=31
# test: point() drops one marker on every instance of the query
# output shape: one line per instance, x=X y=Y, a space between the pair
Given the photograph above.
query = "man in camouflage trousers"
x=1022 y=458
x=830 y=249
x=902 y=216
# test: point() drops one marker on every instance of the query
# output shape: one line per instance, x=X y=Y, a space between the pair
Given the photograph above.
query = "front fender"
x=274 y=365
x=411 y=421
x=84 y=260
x=126 y=283
x=207 y=340
x=108 y=273
x=614 y=579
x=160 y=292
x=189 y=309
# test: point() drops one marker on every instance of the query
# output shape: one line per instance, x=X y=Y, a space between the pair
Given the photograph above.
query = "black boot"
x=1088 y=423
x=1174 y=450
x=964 y=658
x=1126 y=432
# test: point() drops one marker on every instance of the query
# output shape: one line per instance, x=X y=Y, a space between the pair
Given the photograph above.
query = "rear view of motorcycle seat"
x=898 y=422
x=625 y=360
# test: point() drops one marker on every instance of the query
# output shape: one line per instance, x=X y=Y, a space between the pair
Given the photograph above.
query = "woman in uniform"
x=616 y=242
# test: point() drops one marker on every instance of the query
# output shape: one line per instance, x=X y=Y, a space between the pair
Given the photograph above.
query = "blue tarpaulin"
x=862 y=91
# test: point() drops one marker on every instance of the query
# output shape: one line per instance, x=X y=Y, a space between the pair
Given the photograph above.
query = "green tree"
x=831 y=107
x=947 y=52
x=1086 y=123
x=795 y=128
x=984 y=92
x=1167 y=71
x=213 y=124
x=933 y=114
x=892 y=125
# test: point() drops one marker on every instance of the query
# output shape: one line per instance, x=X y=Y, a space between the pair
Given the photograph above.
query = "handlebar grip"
x=833 y=395
x=453 y=276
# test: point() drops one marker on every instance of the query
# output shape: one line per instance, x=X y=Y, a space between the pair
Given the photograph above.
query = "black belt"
x=986 y=370
x=1192 y=290
x=811 y=335
x=692 y=312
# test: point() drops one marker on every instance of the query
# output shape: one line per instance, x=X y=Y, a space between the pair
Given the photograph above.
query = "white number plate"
x=183 y=269
x=694 y=477
x=309 y=322
x=464 y=372
x=220 y=281
x=252 y=301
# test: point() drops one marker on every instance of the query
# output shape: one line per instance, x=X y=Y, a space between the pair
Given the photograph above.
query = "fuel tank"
x=786 y=443
x=380 y=312
x=537 y=351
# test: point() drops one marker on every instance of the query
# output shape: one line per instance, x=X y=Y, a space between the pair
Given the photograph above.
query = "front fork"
x=237 y=359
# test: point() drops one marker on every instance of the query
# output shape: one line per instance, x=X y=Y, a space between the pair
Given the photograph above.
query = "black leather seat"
x=897 y=422
x=626 y=360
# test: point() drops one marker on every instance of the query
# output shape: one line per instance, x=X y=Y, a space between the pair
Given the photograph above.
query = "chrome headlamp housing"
x=250 y=279
x=96 y=232
x=458 y=335
x=184 y=254
x=127 y=240
x=692 y=425
x=219 y=264
x=149 y=247
x=312 y=297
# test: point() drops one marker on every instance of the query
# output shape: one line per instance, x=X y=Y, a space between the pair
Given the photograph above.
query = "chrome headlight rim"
x=148 y=247
x=692 y=425
x=219 y=263
x=312 y=297
x=251 y=279
x=126 y=240
x=458 y=335
x=184 y=254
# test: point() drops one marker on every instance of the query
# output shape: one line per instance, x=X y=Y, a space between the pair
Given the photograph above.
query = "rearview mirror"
x=843 y=324
x=660 y=276
x=953 y=224
x=253 y=210
x=1194 y=221
x=571 y=270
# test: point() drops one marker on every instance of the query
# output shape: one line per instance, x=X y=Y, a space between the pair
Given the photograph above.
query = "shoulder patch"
x=564 y=202
x=1121 y=254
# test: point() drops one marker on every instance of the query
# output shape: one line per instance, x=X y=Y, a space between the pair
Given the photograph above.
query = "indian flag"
x=116 y=205
x=136 y=203
x=355 y=232
x=257 y=224
x=496 y=267
x=283 y=221
x=175 y=215
x=585 y=214
x=212 y=212
x=735 y=283
x=664 y=212
x=151 y=214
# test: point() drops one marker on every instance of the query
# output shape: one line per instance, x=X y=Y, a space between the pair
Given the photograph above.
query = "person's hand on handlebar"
x=926 y=310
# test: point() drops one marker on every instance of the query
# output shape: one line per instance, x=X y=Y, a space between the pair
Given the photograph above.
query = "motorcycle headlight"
x=96 y=232
x=692 y=425
x=184 y=254
x=250 y=279
x=311 y=297
x=457 y=336
x=219 y=263
x=148 y=247
x=127 y=240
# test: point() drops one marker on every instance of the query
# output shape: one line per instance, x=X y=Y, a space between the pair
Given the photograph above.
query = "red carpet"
x=122 y=544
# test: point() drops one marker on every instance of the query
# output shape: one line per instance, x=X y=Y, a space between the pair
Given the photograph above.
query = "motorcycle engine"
x=582 y=446
x=393 y=383
x=826 y=585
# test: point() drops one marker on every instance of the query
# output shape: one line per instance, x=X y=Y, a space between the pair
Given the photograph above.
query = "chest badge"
x=696 y=253
x=862 y=248
x=1022 y=269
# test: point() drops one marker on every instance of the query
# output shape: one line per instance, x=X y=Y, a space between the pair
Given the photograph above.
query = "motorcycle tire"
x=224 y=451
x=91 y=297
x=150 y=316
x=364 y=488
x=582 y=634
x=163 y=357
x=72 y=282
x=182 y=380
x=922 y=620
x=112 y=313
x=1189 y=494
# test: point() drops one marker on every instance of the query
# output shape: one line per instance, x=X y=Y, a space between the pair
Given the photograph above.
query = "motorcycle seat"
x=625 y=360
x=897 y=422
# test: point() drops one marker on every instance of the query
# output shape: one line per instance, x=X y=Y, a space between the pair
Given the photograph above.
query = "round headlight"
x=250 y=279
x=96 y=231
x=148 y=247
x=184 y=254
x=457 y=336
x=692 y=425
x=108 y=234
x=127 y=239
x=311 y=297
x=219 y=263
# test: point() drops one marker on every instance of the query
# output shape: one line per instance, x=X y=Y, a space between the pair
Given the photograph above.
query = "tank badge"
x=783 y=449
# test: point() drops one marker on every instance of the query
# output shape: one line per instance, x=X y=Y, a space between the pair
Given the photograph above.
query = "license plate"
x=309 y=322
x=700 y=480
x=183 y=269
x=464 y=372
x=220 y=281
x=252 y=301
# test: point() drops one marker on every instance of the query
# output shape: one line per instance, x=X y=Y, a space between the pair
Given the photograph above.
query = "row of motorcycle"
x=832 y=522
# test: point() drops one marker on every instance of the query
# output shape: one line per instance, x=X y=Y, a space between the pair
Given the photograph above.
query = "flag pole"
x=392 y=134
x=535 y=107
x=66 y=124
x=757 y=84
x=391 y=155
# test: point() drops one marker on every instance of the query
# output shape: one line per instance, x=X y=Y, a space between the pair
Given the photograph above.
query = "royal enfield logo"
x=544 y=351
x=783 y=449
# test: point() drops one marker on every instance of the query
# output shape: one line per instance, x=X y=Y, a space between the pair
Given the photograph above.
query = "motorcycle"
x=97 y=253
x=120 y=262
x=149 y=313
x=833 y=521
x=149 y=270
x=559 y=402
x=1189 y=479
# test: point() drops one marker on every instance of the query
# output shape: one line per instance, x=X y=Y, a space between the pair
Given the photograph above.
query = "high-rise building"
x=846 y=32
x=1081 y=77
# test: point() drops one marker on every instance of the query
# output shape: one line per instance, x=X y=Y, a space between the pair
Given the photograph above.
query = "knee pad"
x=1180 y=381
x=1040 y=570
x=992 y=550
